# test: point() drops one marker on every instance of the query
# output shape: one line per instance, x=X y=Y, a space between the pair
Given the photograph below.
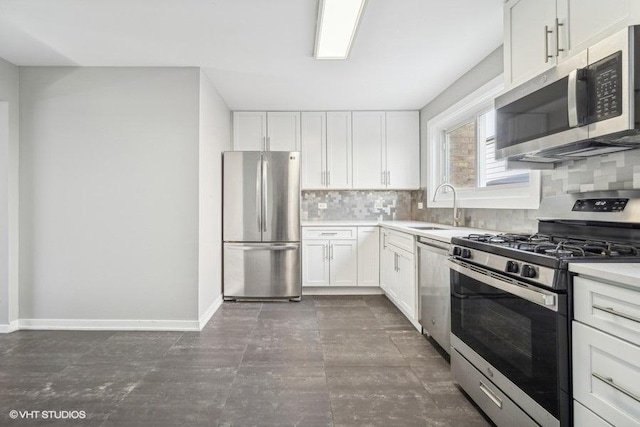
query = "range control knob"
x=512 y=267
x=466 y=253
x=529 y=271
x=456 y=251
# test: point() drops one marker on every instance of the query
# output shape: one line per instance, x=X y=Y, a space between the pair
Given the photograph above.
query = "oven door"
x=519 y=330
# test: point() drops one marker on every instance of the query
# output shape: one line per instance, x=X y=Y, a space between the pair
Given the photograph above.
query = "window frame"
x=504 y=196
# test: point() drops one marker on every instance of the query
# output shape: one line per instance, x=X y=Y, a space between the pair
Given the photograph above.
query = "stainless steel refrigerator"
x=261 y=225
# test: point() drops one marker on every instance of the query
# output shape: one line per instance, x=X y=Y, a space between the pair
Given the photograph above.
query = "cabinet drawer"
x=606 y=375
x=401 y=240
x=584 y=417
x=607 y=307
x=329 y=233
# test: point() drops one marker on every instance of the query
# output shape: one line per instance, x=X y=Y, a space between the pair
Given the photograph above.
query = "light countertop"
x=619 y=272
x=443 y=234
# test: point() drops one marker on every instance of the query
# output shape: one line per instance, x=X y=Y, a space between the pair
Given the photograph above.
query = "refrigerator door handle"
x=265 y=196
x=261 y=247
x=259 y=194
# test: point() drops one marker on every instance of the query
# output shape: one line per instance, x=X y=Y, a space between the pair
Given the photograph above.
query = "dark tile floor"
x=341 y=361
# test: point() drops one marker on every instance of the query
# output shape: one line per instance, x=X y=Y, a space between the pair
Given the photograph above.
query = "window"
x=462 y=152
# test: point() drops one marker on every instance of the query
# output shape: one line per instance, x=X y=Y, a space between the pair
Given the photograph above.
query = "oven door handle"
x=521 y=290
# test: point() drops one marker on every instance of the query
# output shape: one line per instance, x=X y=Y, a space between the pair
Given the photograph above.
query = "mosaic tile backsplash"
x=611 y=172
x=615 y=171
x=356 y=205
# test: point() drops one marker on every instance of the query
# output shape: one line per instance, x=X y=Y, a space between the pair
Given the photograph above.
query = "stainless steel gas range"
x=511 y=303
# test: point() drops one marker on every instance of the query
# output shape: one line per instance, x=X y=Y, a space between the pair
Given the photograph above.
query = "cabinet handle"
x=610 y=382
x=558 y=25
x=324 y=252
x=388 y=177
x=491 y=395
x=328 y=177
x=395 y=262
x=331 y=251
x=264 y=143
x=268 y=143
x=611 y=310
x=382 y=174
x=546 y=43
x=326 y=233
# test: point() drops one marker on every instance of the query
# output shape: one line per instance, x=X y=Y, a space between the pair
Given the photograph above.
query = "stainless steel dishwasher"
x=433 y=290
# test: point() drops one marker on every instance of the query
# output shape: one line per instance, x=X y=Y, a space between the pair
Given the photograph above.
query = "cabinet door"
x=315 y=263
x=339 y=163
x=387 y=270
x=344 y=262
x=368 y=256
x=249 y=130
x=368 y=149
x=403 y=149
x=407 y=290
x=314 y=140
x=585 y=22
x=528 y=49
x=283 y=131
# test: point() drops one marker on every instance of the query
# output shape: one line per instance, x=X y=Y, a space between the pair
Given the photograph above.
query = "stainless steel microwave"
x=584 y=106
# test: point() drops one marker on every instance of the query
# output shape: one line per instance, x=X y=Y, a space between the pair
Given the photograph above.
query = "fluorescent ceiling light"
x=337 y=25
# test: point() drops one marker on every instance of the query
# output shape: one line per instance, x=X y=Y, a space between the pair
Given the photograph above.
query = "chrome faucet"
x=456 y=220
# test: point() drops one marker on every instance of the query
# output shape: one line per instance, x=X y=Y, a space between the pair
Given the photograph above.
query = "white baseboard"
x=109 y=325
x=7 y=328
x=346 y=290
x=206 y=316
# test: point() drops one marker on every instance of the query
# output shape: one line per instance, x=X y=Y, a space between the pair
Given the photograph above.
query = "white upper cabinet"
x=386 y=149
x=530 y=39
x=283 y=131
x=326 y=150
x=541 y=33
x=249 y=131
x=266 y=131
x=339 y=162
x=403 y=149
x=587 y=21
x=314 y=141
x=368 y=149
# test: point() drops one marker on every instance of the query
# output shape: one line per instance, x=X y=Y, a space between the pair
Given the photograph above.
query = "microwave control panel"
x=605 y=88
x=600 y=205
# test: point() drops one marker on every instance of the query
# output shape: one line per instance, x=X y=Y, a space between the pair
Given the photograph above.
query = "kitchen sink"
x=426 y=227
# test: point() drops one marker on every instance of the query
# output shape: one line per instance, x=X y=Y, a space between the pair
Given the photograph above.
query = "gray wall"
x=215 y=137
x=9 y=243
x=109 y=193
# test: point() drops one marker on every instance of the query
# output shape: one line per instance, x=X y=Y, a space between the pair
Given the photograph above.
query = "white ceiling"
x=259 y=53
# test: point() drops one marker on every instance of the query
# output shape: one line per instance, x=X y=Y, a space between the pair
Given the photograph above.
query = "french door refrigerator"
x=261 y=225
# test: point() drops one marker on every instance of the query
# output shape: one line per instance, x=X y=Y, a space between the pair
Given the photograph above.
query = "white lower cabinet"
x=343 y=262
x=606 y=354
x=315 y=263
x=368 y=256
x=329 y=256
x=398 y=271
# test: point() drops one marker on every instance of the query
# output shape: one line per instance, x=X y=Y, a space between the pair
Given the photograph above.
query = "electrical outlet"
x=322 y=206
x=377 y=205
x=420 y=205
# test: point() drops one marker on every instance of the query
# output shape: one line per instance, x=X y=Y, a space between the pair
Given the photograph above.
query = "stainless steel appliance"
x=583 y=107
x=510 y=303
x=433 y=290
x=261 y=225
